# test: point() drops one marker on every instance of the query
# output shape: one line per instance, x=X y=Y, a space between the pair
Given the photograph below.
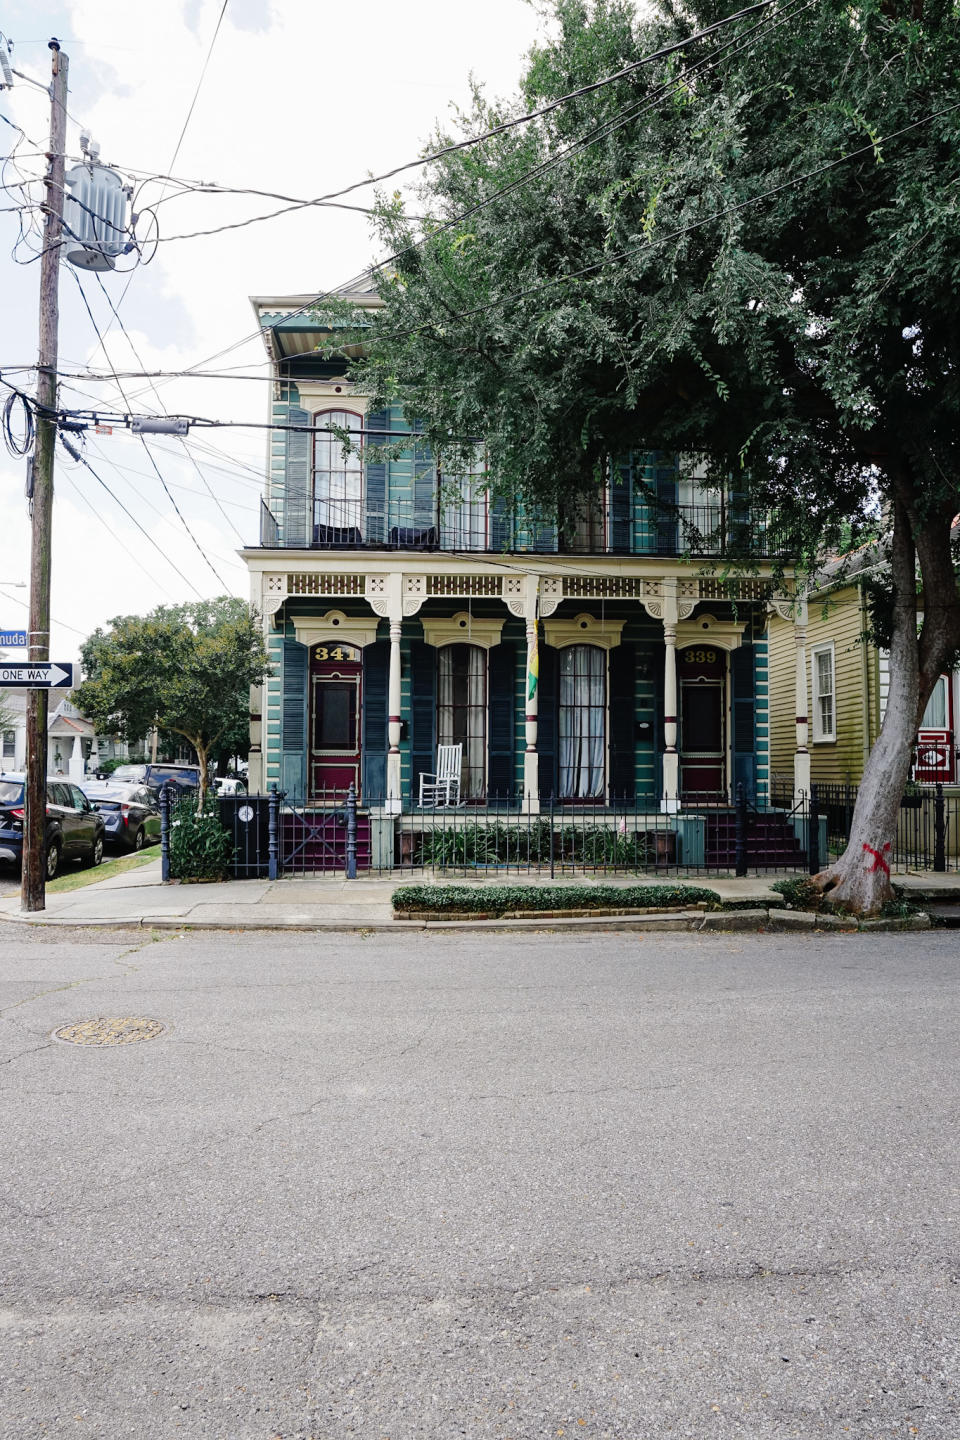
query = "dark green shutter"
x=547 y=721
x=376 y=665
x=501 y=720
x=377 y=424
x=501 y=524
x=423 y=713
x=293 y=769
x=621 y=508
x=743 y=710
x=623 y=676
x=298 y=482
x=665 y=485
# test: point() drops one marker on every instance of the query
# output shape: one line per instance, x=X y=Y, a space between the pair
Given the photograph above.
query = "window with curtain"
x=462 y=711
x=582 y=722
x=338 y=477
x=463 y=517
x=935 y=715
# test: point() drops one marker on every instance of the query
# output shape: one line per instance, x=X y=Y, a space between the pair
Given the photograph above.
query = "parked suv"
x=74 y=830
x=186 y=778
x=130 y=813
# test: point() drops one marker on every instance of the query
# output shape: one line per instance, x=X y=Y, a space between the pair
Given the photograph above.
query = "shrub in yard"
x=480 y=844
x=200 y=847
x=799 y=893
x=497 y=899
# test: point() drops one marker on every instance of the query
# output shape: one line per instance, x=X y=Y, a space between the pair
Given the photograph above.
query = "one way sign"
x=44 y=675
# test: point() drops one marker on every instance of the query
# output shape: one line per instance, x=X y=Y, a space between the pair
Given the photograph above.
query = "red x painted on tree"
x=879 y=863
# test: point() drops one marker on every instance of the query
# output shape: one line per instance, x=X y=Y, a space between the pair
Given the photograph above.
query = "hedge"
x=497 y=899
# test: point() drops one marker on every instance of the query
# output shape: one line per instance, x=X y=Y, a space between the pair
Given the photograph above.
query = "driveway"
x=494 y=1185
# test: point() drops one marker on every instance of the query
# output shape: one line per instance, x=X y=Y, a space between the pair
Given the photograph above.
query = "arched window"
x=462 y=711
x=338 y=478
x=582 y=722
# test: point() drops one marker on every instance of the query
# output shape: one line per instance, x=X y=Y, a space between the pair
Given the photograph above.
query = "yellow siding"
x=836 y=616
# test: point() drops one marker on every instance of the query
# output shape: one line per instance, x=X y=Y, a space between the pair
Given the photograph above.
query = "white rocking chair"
x=443 y=787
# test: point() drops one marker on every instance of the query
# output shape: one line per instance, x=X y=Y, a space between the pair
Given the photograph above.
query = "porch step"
x=771 y=841
x=316 y=840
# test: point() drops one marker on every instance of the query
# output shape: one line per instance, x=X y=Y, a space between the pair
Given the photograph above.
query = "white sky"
x=300 y=98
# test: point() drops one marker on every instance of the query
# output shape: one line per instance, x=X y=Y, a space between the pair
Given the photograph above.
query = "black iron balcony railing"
x=716 y=529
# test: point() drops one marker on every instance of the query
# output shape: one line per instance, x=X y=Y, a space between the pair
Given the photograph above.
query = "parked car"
x=186 y=778
x=74 y=830
x=131 y=815
x=228 y=785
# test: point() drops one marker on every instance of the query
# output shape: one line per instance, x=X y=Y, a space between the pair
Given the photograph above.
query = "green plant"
x=900 y=907
x=496 y=899
x=799 y=893
x=477 y=844
x=200 y=847
x=107 y=767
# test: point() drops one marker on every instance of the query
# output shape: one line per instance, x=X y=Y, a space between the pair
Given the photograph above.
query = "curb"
x=689 y=921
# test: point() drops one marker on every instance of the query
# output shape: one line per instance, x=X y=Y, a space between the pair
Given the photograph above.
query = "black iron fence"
x=281 y=833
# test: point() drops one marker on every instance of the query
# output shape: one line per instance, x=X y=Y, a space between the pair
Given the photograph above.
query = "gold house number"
x=702 y=657
x=338 y=652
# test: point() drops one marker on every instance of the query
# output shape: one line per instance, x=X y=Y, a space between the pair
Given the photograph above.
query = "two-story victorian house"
x=614 y=656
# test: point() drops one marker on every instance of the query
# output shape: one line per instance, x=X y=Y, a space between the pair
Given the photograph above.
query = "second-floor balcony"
x=717 y=528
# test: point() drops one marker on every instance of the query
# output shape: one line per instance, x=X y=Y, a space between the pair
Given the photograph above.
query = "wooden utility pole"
x=34 y=860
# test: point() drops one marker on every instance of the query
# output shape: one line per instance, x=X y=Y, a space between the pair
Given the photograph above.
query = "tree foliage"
x=187 y=668
x=745 y=250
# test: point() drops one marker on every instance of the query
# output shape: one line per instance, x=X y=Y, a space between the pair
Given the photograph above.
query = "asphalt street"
x=494 y=1185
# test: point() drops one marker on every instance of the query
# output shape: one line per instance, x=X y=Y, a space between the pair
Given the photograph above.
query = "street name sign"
x=12 y=637
x=44 y=675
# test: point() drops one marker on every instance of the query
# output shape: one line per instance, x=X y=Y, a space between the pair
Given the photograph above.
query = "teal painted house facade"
x=612 y=658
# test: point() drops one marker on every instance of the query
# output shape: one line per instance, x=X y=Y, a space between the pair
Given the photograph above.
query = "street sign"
x=9 y=638
x=44 y=675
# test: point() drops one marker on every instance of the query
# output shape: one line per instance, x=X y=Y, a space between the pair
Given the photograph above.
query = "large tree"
x=186 y=668
x=746 y=250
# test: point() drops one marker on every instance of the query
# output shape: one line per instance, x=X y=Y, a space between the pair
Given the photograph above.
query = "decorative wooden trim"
x=708 y=630
x=350 y=630
x=461 y=629
x=583 y=629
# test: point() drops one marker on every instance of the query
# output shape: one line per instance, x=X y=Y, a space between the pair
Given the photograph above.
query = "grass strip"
x=75 y=878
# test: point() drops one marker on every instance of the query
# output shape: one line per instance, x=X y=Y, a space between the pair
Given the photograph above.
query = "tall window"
x=462 y=711
x=9 y=744
x=338 y=478
x=824 y=694
x=700 y=511
x=935 y=716
x=582 y=721
x=464 y=514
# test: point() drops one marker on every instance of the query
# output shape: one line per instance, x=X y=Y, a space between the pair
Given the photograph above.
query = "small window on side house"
x=9 y=744
x=824 y=694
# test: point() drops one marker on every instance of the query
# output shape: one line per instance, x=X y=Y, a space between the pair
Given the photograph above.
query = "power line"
x=213 y=41
x=170 y=496
x=110 y=530
x=82 y=460
x=524 y=119
x=26 y=606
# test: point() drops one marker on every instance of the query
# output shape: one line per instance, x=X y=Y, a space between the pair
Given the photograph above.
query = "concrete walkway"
x=329 y=902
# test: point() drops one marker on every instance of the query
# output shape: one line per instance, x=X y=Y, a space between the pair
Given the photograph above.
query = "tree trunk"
x=860 y=879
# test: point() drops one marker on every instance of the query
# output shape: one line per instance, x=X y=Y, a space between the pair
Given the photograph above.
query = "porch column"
x=75 y=765
x=393 y=805
x=671 y=759
x=531 y=760
x=801 y=758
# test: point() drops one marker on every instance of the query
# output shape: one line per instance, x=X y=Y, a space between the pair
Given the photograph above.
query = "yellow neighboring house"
x=846 y=687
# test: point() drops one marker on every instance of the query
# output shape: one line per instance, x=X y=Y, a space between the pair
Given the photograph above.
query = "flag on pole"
x=533 y=664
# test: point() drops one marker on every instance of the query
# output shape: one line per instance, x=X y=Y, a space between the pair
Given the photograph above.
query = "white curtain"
x=582 y=728
x=462 y=711
x=338 y=478
x=464 y=516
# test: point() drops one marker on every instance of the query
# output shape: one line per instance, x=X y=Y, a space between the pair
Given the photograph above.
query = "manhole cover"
x=110 y=1030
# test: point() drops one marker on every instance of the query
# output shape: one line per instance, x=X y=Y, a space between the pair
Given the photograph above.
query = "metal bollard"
x=273 y=816
x=164 y=833
x=939 y=831
x=352 y=833
x=740 y=854
x=813 y=833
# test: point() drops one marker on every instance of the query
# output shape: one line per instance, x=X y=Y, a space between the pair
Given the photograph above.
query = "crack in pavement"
x=84 y=980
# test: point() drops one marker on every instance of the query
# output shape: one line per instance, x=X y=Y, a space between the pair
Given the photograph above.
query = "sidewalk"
x=329 y=902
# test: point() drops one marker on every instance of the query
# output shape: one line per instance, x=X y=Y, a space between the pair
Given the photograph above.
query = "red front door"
x=702 y=672
x=335 y=680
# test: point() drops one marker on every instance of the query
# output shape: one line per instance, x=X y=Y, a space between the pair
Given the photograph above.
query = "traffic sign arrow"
x=44 y=675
